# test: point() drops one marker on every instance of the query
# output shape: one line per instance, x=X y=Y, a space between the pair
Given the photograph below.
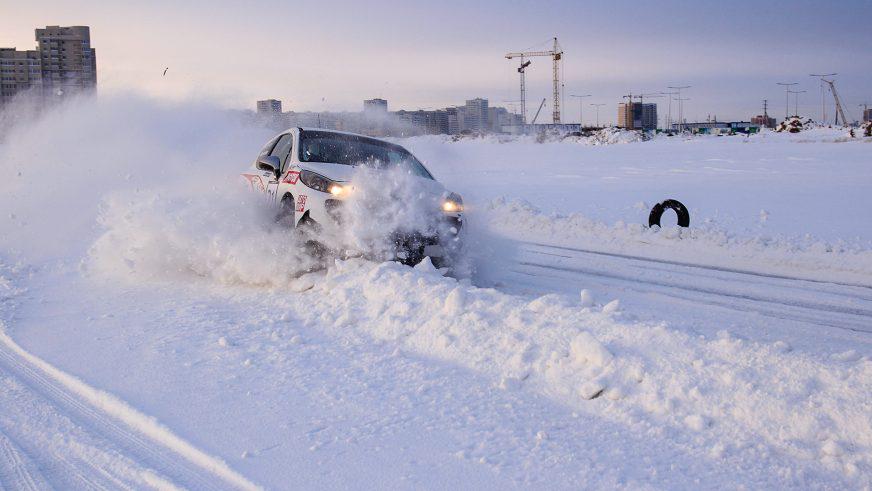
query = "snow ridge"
x=721 y=396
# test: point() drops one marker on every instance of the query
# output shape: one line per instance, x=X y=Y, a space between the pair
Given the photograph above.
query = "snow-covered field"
x=152 y=335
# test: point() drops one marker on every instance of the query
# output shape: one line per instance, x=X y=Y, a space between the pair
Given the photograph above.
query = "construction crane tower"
x=556 y=54
x=521 y=69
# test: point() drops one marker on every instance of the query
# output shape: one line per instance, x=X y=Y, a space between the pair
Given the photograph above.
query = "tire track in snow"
x=837 y=305
x=17 y=470
x=693 y=265
x=139 y=437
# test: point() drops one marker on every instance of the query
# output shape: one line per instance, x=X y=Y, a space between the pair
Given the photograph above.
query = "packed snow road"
x=847 y=306
x=155 y=334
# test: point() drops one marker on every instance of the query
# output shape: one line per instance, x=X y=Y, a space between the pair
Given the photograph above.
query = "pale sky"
x=332 y=55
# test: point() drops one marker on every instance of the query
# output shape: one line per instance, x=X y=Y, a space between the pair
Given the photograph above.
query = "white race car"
x=309 y=174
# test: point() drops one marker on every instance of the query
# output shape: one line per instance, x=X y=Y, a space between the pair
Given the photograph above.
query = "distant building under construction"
x=637 y=116
x=763 y=120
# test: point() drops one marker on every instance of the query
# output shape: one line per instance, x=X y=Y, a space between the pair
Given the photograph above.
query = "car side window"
x=268 y=147
x=283 y=149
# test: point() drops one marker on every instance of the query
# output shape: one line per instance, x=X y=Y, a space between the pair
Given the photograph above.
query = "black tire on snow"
x=670 y=204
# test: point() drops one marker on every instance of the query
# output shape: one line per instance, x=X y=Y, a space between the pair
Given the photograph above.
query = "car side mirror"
x=269 y=163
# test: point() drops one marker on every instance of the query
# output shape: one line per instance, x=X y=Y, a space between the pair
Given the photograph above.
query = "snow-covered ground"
x=152 y=334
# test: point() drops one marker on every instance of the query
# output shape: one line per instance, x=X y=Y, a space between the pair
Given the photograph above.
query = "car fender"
x=254 y=181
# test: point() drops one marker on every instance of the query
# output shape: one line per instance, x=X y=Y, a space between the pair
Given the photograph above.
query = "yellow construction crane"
x=556 y=55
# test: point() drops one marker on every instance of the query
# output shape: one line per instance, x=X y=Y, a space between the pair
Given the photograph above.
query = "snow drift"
x=728 y=392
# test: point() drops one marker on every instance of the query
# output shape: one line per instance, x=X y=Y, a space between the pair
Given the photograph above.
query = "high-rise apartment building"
x=375 y=108
x=269 y=106
x=455 y=119
x=64 y=64
x=637 y=116
x=69 y=63
x=475 y=115
x=19 y=71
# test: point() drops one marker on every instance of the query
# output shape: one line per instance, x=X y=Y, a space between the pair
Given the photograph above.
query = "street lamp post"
x=680 y=106
x=597 y=112
x=796 y=101
x=580 y=110
x=669 y=110
x=681 y=123
x=787 y=96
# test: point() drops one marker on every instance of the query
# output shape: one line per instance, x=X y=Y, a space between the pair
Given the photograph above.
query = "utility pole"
x=680 y=105
x=580 y=108
x=681 y=122
x=796 y=101
x=823 y=92
x=597 y=112
x=787 y=96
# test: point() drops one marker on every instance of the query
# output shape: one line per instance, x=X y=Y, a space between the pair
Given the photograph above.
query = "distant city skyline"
x=332 y=55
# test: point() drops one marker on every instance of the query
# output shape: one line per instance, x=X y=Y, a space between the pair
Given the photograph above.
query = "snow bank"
x=724 y=393
x=605 y=136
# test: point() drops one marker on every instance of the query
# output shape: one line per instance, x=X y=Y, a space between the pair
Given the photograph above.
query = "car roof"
x=326 y=130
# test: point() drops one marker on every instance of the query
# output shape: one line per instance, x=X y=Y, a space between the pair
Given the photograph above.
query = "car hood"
x=346 y=173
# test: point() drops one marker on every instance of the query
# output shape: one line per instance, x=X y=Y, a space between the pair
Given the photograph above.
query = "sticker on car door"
x=291 y=177
x=301 y=202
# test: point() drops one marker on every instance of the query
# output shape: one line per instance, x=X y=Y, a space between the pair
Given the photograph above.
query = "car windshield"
x=338 y=148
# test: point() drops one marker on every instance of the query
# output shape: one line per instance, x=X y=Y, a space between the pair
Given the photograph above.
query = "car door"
x=281 y=150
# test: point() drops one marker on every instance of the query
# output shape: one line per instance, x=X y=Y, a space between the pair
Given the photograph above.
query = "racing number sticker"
x=291 y=177
x=301 y=202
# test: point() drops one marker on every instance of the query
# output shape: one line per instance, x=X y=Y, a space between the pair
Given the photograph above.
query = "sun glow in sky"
x=332 y=55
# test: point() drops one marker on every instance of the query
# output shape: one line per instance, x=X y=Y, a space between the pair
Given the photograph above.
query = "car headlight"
x=337 y=189
x=452 y=203
x=321 y=183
